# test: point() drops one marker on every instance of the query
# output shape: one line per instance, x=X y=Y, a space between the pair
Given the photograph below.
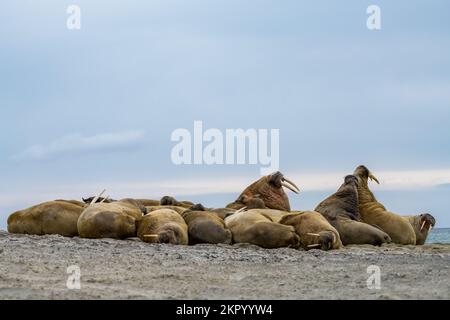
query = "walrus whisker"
x=313 y=234
x=423 y=223
x=314 y=245
x=291 y=183
x=284 y=184
x=97 y=197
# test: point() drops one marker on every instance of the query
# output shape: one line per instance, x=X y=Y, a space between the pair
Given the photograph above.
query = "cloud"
x=77 y=143
x=390 y=180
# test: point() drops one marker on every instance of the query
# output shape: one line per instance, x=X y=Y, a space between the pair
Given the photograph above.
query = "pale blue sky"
x=80 y=110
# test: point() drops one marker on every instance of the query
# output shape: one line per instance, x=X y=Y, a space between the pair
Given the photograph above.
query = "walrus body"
x=342 y=212
x=178 y=209
x=53 y=217
x=109 y=220
x=422 y=225
x=268 y=190
x=314 y=230
x=261 y=227
x=397 y=227
x=163 y=226
x=206 y=227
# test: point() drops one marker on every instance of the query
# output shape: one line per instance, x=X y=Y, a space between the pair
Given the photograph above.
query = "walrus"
x=143 y=202
x=261 y=227
x=206 y=226
x=117 y=219
x=422 y=225
x=342 y=212
x=314 y=230
x=163 y=226
x=52 y=217
x=171 y=201
x=397 y=227
x=269 y=189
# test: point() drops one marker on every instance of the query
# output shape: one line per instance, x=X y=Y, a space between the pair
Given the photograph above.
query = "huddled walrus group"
x=261 y=215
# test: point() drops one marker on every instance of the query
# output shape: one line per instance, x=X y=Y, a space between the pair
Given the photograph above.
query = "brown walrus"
x=422 y=225
x=206 y=227
x=261 y=227
x=342 y=212
x=110 y=220
x=397 y=227
x=163 y=226
x=53 y=217
x=171 y=201
x=314 y=230
x=269 y=190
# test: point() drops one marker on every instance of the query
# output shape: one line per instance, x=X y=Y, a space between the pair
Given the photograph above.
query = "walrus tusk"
x=96 y=198
x=314 y=245
x=430 y=227
x=373 y=178
x=313 y=234
x=291 y=183
x=241 y=210
x=423 y=223
x=104 y=199
x=284 y=184
x=151 y=235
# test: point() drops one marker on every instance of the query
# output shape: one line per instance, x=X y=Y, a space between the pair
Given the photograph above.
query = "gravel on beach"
x=35 y=267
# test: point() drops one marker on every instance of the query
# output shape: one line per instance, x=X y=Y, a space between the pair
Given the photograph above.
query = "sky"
x=91 y=109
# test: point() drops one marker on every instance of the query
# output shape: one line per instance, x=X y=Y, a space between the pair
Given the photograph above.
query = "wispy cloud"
x=390 y=180
x=77 y=143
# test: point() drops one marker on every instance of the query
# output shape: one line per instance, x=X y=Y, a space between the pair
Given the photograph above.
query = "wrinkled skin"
x=262 y=228
x=266 y=192
x=397 y=227
x=206 y=227
x=53 y=217
x=314 y=230
x=163 y=226
x=117 y=220
x=342 y=212
x=422 y=225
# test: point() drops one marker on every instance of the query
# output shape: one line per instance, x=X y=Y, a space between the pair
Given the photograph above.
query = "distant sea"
x=439 y=235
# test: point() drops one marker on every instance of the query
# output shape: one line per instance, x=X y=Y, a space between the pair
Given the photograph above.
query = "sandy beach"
x=35 y=267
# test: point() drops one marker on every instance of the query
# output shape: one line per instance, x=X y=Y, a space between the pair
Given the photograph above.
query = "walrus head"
x=269 y=189
x=167 y=236
x=427 y=222
x=100 y=199
x=350 y=179
x=363 y=173
x=197 y=207
x=168 y=201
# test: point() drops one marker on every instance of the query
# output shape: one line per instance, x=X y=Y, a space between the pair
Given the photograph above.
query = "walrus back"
x=53 y=217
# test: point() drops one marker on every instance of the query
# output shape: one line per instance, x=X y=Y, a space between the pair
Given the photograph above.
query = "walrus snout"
x=278 y=180
x=326 y=240
x=167 y=236
x=427 y=222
